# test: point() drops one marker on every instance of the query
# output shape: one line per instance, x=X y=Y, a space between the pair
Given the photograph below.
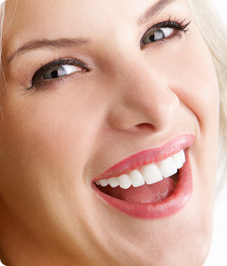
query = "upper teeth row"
x=150 y=173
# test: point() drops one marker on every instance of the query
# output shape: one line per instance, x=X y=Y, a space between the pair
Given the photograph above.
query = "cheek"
x=45 y=140
x=189 y=72
x=191 y=75
x=197 y=88
x=44 y=131
x=188 y=69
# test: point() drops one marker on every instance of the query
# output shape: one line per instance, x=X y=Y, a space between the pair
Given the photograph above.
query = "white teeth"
x=103 y=182
x=113 y=182
x=136 y=178
x=124 y=181
x=168 y=167
x=182 y=155
x=152 y=174
x=178 y=160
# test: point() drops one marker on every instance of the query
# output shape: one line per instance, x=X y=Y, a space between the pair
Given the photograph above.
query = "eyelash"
x=178 y=25
x=38 y=83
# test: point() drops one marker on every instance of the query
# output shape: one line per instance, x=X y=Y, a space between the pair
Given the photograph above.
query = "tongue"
x=144 y=194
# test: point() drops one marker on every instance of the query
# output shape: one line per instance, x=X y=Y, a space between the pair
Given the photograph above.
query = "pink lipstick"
x=175 y=199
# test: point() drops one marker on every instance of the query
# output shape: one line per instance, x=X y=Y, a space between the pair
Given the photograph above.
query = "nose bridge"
x=145 y=97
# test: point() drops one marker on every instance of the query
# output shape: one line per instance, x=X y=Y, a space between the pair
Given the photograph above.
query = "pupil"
x=152 y=38
x=54 y=74
x=156 y=35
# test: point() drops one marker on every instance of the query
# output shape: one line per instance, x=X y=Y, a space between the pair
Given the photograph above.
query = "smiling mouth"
x=151 y=183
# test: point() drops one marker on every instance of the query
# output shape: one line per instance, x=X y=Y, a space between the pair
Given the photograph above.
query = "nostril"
x=144 y=126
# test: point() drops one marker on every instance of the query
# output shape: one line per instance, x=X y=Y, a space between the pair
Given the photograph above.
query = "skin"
x=56 y=139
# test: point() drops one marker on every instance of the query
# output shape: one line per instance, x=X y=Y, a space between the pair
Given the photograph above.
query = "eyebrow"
x=154 y=11
x=77 y=42
x=48 y=44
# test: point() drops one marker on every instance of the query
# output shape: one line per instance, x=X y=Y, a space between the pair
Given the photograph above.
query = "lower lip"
x=169 y=206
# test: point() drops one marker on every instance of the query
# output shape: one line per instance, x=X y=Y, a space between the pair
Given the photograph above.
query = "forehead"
x=27 y=20
x=68 y=14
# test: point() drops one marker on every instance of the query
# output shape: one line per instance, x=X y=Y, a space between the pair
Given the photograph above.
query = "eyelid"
x=178 y=25
x=60 y=62
x=174 y=23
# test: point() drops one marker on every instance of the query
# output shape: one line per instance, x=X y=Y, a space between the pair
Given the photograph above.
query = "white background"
x=221 y=6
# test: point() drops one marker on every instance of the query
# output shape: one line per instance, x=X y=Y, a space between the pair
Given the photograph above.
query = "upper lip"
x=148 y=156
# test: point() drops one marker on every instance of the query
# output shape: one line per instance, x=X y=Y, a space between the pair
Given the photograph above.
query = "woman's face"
x=88 y=84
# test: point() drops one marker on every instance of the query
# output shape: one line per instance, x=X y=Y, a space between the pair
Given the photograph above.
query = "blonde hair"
x=213 y=30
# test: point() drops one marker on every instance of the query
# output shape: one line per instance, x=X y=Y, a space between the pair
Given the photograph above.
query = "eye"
x=165 y=30
x=157 y=35
x=60 y=71
x=56 y=71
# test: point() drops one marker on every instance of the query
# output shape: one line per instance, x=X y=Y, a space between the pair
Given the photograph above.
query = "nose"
x=142 y=99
